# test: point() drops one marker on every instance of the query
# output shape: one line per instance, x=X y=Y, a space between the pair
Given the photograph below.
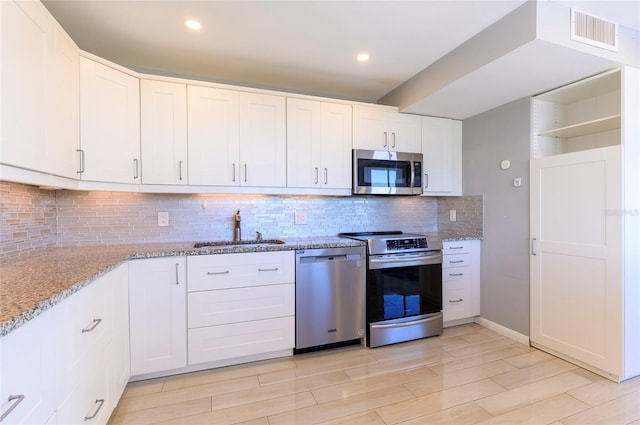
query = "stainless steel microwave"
x=386 y=173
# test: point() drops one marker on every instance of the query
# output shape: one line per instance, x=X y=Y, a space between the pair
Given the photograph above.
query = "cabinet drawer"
x=456 y=247
x=456 y=301
x=224 y=271
x=209 y=308
x=456 y=260
x=456 y=273
x=222 y=342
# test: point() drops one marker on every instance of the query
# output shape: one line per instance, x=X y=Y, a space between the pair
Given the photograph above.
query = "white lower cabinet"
x=158 y=315
x=240 y=305
x=460 y=280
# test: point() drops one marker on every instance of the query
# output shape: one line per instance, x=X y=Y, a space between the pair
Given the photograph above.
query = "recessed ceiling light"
x=363 y=57
x=193 y=24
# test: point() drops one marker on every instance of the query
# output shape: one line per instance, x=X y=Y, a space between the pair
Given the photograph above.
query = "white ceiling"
x=295 y=46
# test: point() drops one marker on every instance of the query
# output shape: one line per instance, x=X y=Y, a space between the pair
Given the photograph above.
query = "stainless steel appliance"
x=330 y=296
x=404 y=286
x=386 y=173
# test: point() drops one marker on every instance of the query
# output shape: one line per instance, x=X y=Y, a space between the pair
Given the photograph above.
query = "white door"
x=109 y=123
x=163 y=116
x=441 y=155
x=336 y=136
x=158 y=314
x=370 y=129
x=214 y=145
x=263 y=145
x=406 y=135
x=576 y=231
x=303 y=143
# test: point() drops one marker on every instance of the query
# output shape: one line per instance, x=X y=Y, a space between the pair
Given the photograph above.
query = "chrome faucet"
x=259 y=237
x=237 y=231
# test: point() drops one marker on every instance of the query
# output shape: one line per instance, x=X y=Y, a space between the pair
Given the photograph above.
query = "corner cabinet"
x=460 y=281
x=442 y=156
x=109 y=124
x=163 y=132
x=40 y=86
x=318 y=144
x=379 y=129
x=584 y=247
x=158 y=314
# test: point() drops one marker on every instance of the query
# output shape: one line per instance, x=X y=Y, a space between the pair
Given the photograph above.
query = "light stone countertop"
x=33 y=283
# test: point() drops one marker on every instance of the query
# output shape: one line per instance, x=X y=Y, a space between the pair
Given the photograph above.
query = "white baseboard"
x=502 y=330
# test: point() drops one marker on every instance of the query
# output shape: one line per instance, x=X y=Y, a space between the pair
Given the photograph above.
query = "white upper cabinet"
x=163 y=121
x=214 y=144
x=442 y=156
x=318 y=144
x=39 y=91
x=263 y=144
x=109 y=124
x=377 y=129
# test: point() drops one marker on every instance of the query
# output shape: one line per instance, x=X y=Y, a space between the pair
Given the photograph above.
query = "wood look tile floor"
x=468 y=375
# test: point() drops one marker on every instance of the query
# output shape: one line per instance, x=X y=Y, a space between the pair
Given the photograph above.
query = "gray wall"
x=487 y=139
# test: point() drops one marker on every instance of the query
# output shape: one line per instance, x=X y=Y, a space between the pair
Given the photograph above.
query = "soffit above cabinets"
x=443 y=58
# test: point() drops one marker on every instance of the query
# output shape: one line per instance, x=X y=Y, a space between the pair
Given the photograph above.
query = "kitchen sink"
x=232 y=244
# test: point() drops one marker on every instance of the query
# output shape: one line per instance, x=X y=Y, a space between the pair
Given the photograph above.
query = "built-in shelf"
x=581 y=129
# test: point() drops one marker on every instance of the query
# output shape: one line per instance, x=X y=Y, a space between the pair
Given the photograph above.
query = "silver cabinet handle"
x=245 y=173
x=177 y=275
x=456 y=247
x=81 y=161
x=100 y=403
x=426 y=180
x=533 y=246
x=180 y=170
x=394 y=140
x=456 y=261
x=386 y=139
x=326 y=176
x=316 y=168
x=268 y=270
x=136 y=173
x=456 y=274
x=94 y=325
x=234 y=171
x=456 y=301
x=17 y=399
x=215 y=273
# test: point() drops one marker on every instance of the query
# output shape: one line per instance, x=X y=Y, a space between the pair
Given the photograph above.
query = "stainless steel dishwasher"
x=330 y=297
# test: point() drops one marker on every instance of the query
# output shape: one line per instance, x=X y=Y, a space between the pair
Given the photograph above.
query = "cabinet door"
x=214 y=144
x=40 y=83
x=303 y=143
x=109 y=124
x=405 y=133
x=263 y=146
x=442 y=156
x=163 y=116
x=336 y=136
x=158 y=317
x=119 y=358
x=576 y=258
x=370 y=129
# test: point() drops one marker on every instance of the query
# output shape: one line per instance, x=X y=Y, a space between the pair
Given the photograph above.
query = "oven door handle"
x=393 y=260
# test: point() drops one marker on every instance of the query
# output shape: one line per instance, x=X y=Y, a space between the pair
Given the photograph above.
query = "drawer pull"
x=456 y=261
x=18 y=399
x=456 y=301
x=94 y=325
x=215 y=273
x=177 y=274
x=101 y=403
x=456 y=247
x=275 y=269
x=456 y=274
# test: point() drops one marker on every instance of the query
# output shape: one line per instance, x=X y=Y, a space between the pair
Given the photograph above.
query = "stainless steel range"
x=403 y=286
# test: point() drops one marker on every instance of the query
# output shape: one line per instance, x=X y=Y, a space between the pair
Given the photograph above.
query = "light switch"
x=453 y=215
x=163 y=218
x=300 y=217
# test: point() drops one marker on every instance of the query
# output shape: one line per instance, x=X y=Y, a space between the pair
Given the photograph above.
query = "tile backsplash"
x=70 y=218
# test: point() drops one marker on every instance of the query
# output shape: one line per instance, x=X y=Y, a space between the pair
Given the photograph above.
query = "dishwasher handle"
x=329 y=258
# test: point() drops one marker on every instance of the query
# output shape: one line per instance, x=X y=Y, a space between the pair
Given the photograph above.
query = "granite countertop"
x=31 y=284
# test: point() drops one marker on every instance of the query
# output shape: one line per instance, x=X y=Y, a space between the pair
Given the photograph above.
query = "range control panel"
x=408 y=243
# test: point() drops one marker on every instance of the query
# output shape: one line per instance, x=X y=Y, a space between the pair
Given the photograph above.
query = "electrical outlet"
x=163 y=218
x=453 y=215
x=300 y=217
